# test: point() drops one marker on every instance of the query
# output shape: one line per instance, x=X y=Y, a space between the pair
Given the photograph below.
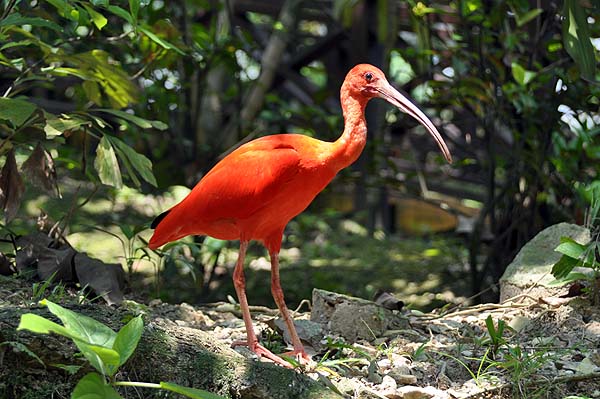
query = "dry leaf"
x=56 y=264
x=40 y=171
x=105 y=279
x=11 y=187
x=30 y=248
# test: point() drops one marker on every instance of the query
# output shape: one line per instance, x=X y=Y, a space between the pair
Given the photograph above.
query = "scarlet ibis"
x=253 y=193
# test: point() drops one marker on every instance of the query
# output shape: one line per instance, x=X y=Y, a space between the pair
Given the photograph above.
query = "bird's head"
x=366 y=81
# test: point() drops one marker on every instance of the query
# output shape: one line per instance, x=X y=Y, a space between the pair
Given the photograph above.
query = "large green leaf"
x=189 y=392
x=139 y=162
x=128 y=338
x=41 y=325
x=576 y=38
x=90 y=330
x=93 y=386
x=106 y=164
x=16 y=110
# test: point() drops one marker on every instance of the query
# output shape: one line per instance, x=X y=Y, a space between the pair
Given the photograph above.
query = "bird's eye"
x=368 y=76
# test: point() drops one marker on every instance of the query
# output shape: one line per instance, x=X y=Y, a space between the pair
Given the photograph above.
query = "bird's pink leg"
x=239 y=282
x=277 y=292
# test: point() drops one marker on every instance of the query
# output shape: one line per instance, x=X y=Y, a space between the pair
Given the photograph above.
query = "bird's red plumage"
x=253 y=192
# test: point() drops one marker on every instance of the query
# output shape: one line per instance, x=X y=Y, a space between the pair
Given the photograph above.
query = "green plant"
x=104 y=349
x=582 y=255
x=495 y=338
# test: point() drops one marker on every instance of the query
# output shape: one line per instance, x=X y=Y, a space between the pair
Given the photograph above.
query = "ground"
x=548 y=349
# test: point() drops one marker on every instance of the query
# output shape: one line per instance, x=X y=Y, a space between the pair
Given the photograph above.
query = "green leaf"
x=569 y=278
x=106 y=164
x=103 y=359
x=16 y=111
x=136 y=120
x=98 y=19
x=119 y=12
x=564 y=266
x=92 y=91
x=571 y=248
x=128 y=338
x=576 y=38
x=139 y=162
x=93 y=386
x=163 y=43
x=41 y=325
x=56 y=126
x=88 y=329
x=16 y=19
x=521 y=75
x=189 y=392
x=134 y=7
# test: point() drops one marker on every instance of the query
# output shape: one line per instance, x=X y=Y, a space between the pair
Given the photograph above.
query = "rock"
x=353 y=318
x=530 y=270
x=412 y=392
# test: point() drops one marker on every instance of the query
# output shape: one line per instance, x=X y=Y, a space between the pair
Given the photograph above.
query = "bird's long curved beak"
x=393 y=96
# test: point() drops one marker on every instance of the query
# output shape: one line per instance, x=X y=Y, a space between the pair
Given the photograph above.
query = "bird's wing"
x=245 y=181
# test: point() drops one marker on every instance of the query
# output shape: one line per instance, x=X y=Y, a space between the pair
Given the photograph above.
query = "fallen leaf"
x=388 y=301
x=56 y=263
x=39 y=169
x=105 y=279
x=11 y=187
x=29 y=249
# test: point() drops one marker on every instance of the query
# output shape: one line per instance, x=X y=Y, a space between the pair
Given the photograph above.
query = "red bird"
x=257 y=189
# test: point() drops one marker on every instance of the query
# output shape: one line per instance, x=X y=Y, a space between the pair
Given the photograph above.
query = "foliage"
x=514 y=78
x=70 y=50
x=104 y=349
x=584 y=255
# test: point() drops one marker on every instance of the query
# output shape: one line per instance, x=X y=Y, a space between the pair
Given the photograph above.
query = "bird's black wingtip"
x=159 y=219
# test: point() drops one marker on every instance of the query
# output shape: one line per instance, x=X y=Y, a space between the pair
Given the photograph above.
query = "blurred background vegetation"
x=110 y=109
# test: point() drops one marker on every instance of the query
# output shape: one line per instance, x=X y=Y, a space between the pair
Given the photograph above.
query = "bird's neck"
x=350 y=145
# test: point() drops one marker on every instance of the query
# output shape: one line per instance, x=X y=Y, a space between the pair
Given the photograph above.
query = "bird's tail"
x=166 y=229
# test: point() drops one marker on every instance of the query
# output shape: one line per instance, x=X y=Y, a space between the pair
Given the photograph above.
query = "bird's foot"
x=300 y=356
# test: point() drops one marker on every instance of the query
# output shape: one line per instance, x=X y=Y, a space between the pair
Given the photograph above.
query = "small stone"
x=384 y=363
x=155 y=302
x=388 y=383
x=412 y=392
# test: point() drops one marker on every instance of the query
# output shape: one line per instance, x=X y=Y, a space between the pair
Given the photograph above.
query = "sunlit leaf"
x=571 y=248
x=58 y=125
x=521 y=75
x=98 y=19
x=140 y=162
x=93 y=386
x=92 y=91
x=128 y=338
x=106 y=164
